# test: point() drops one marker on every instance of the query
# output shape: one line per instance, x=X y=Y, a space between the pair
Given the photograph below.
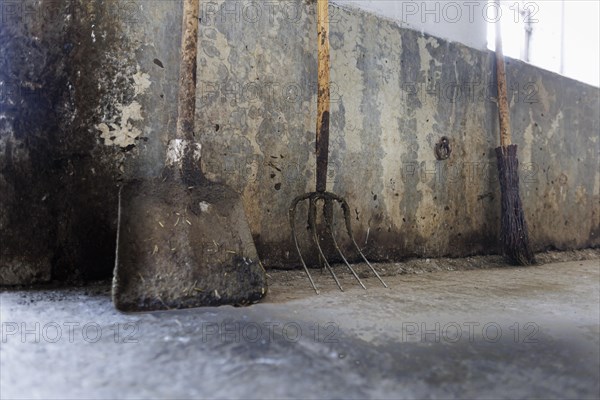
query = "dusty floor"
x=485 y=333
x=295 y=284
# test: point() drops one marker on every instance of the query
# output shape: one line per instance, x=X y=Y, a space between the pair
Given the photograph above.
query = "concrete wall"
x=68 y=66
x=464 y=22
x=94 y=105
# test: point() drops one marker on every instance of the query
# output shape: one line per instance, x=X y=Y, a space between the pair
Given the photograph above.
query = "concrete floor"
x=498 y=333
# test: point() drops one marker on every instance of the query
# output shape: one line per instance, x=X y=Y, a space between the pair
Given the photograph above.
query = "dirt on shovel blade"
x=181 y=247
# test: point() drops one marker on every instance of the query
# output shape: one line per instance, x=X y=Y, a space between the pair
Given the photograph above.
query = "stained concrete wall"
x=464 y=22
x=93 y=104
x=67 y=66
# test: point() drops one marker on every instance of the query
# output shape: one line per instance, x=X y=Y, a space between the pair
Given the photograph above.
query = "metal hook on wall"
x=443 y=149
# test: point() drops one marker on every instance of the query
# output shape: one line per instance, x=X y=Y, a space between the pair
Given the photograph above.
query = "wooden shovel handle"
x=503 y=109
x=186 y=106
x=323 y=94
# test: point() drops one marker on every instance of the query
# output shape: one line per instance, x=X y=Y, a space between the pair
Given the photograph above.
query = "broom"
x=514 y=236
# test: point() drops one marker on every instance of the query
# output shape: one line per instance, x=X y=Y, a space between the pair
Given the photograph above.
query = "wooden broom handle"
x=186 y=107
x=323 y=94
x=503 y=109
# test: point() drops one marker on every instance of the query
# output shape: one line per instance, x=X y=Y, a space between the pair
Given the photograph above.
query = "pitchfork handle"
x=323 y=94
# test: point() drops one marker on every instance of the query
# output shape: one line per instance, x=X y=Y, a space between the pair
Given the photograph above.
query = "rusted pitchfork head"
x=329 y=199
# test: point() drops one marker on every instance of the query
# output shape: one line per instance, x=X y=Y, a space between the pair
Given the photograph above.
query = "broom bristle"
x=514 y=235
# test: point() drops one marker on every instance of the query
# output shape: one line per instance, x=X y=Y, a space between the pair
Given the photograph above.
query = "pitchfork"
x=328 y=198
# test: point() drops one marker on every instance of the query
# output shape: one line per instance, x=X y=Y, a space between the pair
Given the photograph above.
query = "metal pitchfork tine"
x=329 y=199
x=322 y=160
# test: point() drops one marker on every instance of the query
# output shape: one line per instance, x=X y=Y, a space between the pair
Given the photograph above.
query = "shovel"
x=183 y=241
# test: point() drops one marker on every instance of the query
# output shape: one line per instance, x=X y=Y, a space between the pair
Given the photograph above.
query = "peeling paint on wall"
x=120 y=130
x=123 y=133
